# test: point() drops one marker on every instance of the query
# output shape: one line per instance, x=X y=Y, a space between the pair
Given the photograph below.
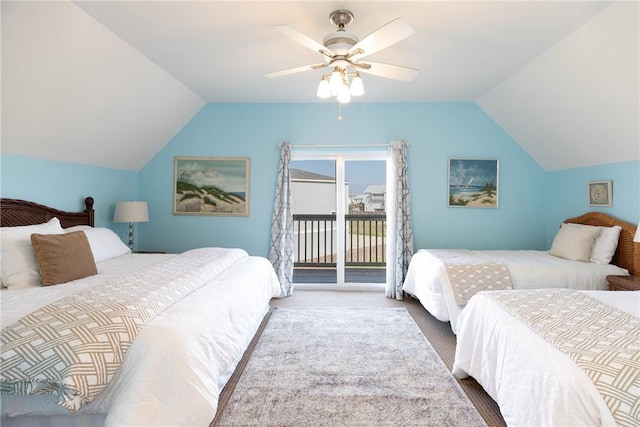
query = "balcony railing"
x=316 y=240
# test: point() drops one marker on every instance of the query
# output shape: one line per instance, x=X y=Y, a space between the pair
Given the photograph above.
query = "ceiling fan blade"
x=295 y=70
x=395 y=72
x=381 y=38
x=299 y=37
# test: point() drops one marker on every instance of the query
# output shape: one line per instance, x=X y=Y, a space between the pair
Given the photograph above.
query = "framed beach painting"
x=211 y=186
x=473 y=183
x=600 y=193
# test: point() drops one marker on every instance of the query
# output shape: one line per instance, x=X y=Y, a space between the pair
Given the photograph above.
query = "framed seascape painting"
x=473 y=183
x=211 y=186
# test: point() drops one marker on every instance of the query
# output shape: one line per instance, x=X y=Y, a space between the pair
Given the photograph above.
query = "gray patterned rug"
x=346 y=367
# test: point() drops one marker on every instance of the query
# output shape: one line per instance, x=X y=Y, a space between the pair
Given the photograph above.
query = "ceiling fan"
x=343 y=52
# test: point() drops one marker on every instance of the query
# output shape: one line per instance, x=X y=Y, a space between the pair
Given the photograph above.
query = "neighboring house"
x=313 y=193
x=371 y=200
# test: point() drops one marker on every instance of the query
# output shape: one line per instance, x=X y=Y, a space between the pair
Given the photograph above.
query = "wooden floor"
x=329 y=275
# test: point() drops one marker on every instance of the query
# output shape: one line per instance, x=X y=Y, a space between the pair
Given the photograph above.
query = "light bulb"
x=357 y=88
x=343 y=96
x=324 y=91
x=335 y=81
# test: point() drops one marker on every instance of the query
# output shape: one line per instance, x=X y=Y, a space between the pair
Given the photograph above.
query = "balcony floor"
x=328 y=275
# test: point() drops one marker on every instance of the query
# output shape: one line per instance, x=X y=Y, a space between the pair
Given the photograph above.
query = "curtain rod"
x=334 y=145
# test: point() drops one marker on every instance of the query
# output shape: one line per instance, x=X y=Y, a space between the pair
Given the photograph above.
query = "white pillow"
x=605 y=245
x=19 y=265
x=105 y=244
x=574 y=242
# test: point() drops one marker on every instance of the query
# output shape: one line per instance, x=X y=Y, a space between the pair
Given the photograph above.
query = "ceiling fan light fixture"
x=324 y=91
x=343 y=96
x=342 y=52
x=335 y=81
x=340 y=42
x=356 y=88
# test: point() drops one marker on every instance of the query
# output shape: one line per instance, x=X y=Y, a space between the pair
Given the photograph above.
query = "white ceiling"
x=220 y=50
x=124 y=76
x=578 y=103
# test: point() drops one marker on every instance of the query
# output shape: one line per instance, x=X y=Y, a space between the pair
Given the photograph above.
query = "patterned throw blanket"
x=471 y=272
x=74 y=346
x=602 y=340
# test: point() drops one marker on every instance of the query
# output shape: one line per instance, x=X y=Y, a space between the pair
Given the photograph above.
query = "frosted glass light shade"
x=131 y=212
x=357 y=88
x=335 y=81
x=343 y=96
x=324 y=91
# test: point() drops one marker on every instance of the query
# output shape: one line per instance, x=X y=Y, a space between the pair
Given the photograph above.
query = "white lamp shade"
x=335 y=81
x=131 y=212
x=637 y=236
x=357 y=88
x=343 y=96
x=324 y=91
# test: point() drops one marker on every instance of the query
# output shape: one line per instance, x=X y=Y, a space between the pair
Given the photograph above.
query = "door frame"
x=340 y=158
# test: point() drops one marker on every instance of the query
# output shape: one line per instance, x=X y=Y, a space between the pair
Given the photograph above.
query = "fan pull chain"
x=339 y=111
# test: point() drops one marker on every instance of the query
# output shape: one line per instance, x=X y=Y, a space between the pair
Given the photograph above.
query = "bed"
x=555 y=357
x=430 y=276
x=194 y=315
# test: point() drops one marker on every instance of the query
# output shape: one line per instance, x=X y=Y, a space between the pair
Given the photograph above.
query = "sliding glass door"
x=365 y=221
x=339 y=219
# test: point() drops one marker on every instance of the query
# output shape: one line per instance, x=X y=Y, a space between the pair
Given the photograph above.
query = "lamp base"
x=130 y=243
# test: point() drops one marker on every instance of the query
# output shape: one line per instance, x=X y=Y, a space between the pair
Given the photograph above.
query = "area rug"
x=346 y=367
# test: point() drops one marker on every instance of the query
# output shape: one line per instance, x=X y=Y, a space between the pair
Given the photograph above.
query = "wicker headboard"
x=628 y=253
x=14 y=212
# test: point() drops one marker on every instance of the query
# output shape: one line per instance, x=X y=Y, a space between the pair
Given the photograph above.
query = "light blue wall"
x=436 y=132
x=532 y=202
x=568 y=197
x=64 y=186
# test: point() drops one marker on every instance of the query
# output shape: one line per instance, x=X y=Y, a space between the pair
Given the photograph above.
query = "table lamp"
x=131 y=212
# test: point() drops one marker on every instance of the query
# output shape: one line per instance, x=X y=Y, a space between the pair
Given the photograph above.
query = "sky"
x=359 y=173
x=479 y=172
x=229 y=175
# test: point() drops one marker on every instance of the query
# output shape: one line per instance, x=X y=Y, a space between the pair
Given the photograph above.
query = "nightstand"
x=624 y=283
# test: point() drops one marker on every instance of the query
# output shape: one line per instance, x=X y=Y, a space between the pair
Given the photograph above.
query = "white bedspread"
x=532 y=382
x=177 y=366
x=428 y=281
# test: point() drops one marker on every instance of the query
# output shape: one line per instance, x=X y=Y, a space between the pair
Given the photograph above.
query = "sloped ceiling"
x=73 y=91
x=591 y=118
x=108 y=83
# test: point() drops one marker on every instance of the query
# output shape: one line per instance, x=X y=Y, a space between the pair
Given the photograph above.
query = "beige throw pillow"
x=63 y=257
x=574 y=242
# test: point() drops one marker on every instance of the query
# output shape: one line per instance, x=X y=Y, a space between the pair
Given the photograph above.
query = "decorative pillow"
x=574 y=242
x=605 y=245
x=63 y=257
x=105 y=244
x=19 y=265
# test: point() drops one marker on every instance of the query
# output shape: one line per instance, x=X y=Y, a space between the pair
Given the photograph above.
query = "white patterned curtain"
x=399 y=231
x=281 y=248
